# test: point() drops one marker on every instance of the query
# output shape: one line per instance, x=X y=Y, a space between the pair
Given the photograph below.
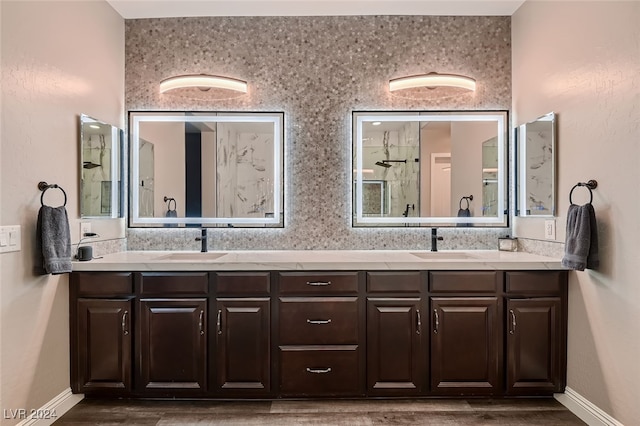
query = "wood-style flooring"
x=449 y=412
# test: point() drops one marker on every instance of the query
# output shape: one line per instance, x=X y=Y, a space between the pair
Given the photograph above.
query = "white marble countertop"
x=318 y=260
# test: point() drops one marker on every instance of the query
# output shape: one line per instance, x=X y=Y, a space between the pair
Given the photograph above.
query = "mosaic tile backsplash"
x=317 y=70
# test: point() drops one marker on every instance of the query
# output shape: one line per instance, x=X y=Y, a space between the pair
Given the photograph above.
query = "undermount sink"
x=442 y=255
x=199 y=257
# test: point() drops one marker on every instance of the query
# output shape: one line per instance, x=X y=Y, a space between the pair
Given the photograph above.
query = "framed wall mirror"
x=536 y=164
x=206 y=169
x=100 y=169
x=430 y=169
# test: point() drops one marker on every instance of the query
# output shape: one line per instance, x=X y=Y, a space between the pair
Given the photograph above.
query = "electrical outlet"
x=550 y=229
x=85 y=228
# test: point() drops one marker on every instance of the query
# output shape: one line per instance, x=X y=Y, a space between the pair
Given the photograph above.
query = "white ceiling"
x=132 y=9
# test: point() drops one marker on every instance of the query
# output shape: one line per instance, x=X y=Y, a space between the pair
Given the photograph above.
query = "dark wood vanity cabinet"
x=101 y=322
x=475 y=313
x=104 y=345
x=536 y=324
x=396 y=334
x=172 y=346
x=172 y=333
x=466 y=333
x=243 y=334
x=318 y=334
x=466 y=346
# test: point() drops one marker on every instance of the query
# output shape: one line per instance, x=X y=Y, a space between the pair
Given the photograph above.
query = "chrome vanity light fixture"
x=424 y=86
x=203 y=82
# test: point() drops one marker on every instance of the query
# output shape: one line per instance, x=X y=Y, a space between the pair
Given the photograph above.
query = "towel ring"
x=467 y=199
x=43 y=186
x=590 y=185
x=168 y=201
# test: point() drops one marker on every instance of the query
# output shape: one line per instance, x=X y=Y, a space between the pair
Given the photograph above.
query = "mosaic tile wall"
x=100 y=248
x=318 y=70
x=542 y=248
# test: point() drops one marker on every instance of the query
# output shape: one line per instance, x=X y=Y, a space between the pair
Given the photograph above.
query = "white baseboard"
x=56 y=407
x=585 y=409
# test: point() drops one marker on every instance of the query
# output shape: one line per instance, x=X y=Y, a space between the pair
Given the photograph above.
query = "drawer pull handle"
x=125 y=328
x=419 y=327
x=319 y=370
x=219 y=321
x=437 y=321
x=513 y=322
x=318 y=283
x=201 y=323
x=310 y=321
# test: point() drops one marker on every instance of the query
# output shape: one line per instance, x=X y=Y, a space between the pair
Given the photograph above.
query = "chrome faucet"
x=434 y=239
x=203 y=240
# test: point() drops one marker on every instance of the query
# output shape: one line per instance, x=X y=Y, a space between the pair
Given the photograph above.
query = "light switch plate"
x=10 y=238
x=550 y=229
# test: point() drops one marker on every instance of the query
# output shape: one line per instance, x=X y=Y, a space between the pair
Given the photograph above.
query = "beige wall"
x=582 y=60
x=59 y=59
x=169 y=165
x=466 y=163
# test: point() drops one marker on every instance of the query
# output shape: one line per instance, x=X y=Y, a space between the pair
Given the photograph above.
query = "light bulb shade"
x=432 y=80
x=203 y=82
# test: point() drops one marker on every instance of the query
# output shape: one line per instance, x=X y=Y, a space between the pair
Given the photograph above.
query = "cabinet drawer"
x=393 y=282
x=535 y=282
x=326 y=371
x=242 y=282
x=318 y=320
x=464 y=281
x=324 y=282
x=174 y=283
x=103 y=283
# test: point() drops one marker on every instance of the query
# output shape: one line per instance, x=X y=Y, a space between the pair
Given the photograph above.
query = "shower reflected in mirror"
x=100 y=169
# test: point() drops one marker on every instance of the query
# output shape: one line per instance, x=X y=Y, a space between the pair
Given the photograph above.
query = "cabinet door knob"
x=219 y=321
x=419 y=321
x=436 y=321
x=310 y=321
x=319 y=370
x=513 y=321
x=125 y=328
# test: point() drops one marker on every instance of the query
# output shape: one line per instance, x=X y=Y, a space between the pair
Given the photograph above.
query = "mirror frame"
x=277 y=118
x=523 y=166
x=501 y=117
x=116 y=170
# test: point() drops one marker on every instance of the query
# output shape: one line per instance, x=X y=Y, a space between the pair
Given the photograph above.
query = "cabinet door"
x=534 y=346
x=103 y=356
x=396 y=360
x=466 y=336
x=172 y=345
x=243 y=345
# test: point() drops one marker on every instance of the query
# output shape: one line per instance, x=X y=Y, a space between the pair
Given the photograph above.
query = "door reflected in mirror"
x=536 y=152
x=206 y=169
x=438 y=168
x=100 y=169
